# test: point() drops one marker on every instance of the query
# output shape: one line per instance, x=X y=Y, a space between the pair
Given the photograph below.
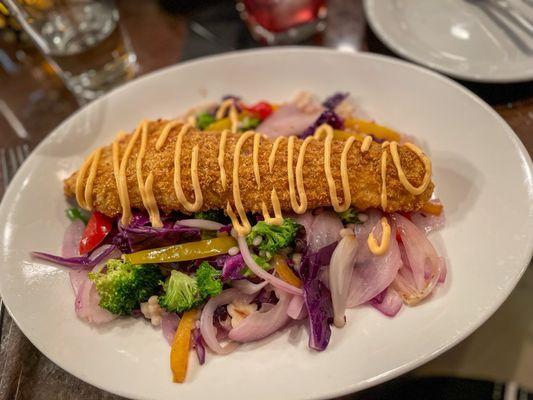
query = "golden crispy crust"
x=364 y=170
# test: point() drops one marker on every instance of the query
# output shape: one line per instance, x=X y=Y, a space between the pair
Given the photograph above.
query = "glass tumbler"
x=81 y=39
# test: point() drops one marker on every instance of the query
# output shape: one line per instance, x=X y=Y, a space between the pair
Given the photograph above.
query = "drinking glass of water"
x=81 y=39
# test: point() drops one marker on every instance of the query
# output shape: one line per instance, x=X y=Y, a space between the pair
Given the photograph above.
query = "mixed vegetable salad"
x=208 y=288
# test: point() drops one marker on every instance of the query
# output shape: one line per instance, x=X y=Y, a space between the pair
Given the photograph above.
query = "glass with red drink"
x=283 y=21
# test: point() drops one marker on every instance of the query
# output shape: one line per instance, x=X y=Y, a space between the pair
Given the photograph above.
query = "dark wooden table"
x=163 y=35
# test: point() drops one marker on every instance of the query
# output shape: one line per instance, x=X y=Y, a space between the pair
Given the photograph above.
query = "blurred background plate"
x=480 y=167
x=479 y=40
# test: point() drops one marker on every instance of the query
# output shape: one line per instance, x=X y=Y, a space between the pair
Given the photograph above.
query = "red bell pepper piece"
x=95 y=232
x=260 y=110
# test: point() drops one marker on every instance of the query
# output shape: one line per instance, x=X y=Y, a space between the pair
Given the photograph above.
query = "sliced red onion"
x=324 y=231
x=87 y=302
x=201 y=224
x=207 y=328
x=420 y=260
x=169 y=325
x=247 y=287
x=77 y=278
x=198 y=344
x=373 y=274
x=340 y=275
x=71 y=239
x=362 y=231
x=428 y=222
x=287 y=120
x=259 y=325
x=261 y=273
x=443 y=270
x=388 y=302
x=87 y=299
x=71 y=248
x=296 y=309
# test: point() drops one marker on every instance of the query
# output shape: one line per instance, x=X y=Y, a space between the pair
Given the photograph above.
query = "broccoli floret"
x=123 y=285
x=350 y=216
x=203 y=120
x=181 y=292
x=249 y=123
x=213 y=215
x=261 y=262
x=208 y=280
x=274 y=237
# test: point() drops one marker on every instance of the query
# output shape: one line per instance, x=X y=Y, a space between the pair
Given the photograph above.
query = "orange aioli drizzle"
x=221 y=158
x=401 y=173
x=302 y=207
x=115 y=156
x=384 y=155
x=328 y=132
x=145 y=187
x=198 y=197
x=257 y=142
x=278 y=216
x=298 y=208
x=226 y=105
x=272 y=157
x=243 y=227
x=367 y=141
x=123 y=184
x=84 y=193
x=380 y=249
x=164 y=133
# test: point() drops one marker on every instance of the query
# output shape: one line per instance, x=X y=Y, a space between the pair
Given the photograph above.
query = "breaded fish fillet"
x=364 y=172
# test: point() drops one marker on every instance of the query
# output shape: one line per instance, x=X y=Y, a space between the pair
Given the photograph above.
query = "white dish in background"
x=456 y=37
x=483 y=176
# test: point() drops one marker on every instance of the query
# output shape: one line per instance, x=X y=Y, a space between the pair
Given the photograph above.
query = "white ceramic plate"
x=483 y=176
x=457 y=37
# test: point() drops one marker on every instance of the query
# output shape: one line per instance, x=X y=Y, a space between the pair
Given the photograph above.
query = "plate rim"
x=526 y=165
x=369 y=7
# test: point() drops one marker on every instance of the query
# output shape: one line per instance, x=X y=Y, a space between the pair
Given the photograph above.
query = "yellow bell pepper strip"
x=179 y=351
x=432 y=208
x=344 y=135
x=219 y=125
x=285 y=272
x=183 y=252
x=371 y=128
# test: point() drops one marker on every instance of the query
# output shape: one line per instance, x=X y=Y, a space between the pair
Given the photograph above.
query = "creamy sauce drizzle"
x=198 y=197
x=243 y=226
x=380 y=249
x=164 y=133
x=278 y=216
x=302 y=207
x=222 y=157
x=229 y=107
x=238 y=217
x=329 y=176
x=272 y=157
x=145 y=187
x=367 y=141
x=257 y=142
x=84 y=194
x=401 y=173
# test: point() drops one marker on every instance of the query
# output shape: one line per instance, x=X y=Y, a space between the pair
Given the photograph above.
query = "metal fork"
x=11 y=159
x=507 y=19
x=514 y=16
